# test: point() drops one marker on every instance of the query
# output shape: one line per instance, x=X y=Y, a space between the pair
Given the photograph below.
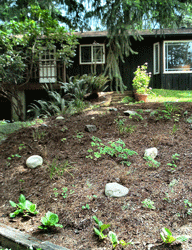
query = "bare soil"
x=127 y=216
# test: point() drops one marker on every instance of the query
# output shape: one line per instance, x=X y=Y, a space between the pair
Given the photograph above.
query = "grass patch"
x=166 y=95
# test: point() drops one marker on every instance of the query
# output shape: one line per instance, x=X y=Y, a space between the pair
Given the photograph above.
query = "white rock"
x=129 y=112
x=34 y=161
x=152 y=152
x=60 y=118
x=114 y=189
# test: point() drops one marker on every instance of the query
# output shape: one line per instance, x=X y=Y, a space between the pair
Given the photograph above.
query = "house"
x=168 y=53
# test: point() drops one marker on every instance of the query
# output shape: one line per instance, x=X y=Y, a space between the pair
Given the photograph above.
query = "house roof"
x=182 y=31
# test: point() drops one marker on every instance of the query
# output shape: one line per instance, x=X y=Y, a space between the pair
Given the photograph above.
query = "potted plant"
x=141 y=83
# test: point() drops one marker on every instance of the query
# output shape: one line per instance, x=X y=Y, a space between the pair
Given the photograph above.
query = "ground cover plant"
x=69 y=180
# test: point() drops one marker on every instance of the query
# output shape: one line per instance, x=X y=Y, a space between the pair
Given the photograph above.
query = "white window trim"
x=42 y=74
x=92 y=62
x=174 y=72
x=154 y=59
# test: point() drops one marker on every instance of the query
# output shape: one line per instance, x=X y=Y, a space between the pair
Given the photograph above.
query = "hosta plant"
x=114 y=240
x=50 y=220
x=24 y=207
x=101 y=226
x=167 y=237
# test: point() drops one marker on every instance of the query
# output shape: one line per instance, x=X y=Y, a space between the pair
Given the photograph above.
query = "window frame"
x=92 y=61
x=164 y=59
x=154 y=58
x=45 y=67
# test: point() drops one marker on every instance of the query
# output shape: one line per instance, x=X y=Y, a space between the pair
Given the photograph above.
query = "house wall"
x=144 y=48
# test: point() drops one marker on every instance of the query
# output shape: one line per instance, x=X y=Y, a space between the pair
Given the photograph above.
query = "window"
x=178 y=56
x=93 y=53
x=156 y=58
x=47 y=66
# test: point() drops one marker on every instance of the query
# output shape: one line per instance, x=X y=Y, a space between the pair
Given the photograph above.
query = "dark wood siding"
x=144 y=54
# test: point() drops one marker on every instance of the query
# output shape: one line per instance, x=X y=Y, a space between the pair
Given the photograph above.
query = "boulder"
x=115 y=189
x=34 y=161
x=152 y=152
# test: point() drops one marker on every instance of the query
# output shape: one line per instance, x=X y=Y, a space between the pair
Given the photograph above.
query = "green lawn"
x=165 y=95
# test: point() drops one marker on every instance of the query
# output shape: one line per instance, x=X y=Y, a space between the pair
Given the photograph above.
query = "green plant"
x=64 y=193
x=38 y=135
x=21 y=146
x=116 y=149
x=136 y=117
x=167 y=198
x=147 y=203
x=174 y=129
x=122 y=128
x=58 y=168
x=24 y=207
x=127 y=99
x=101 y=226
x=86 y=206
x=167 y=237
x=64 y=129
x=63 y=139
x=172 y=184
x=114 y=240
x=50 y=220
x=151 y=162
x=95 y=83
x=55 y=193
x=188 y=205
x=141 y=79
x=13 y=156
x=78 y=135
x=175 y=157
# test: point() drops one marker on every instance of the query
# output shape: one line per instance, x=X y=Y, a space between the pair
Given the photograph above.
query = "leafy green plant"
x=86 y=206
x=101 y=226
x=127 y=99
x=55 y=193
x=175 y=157
x=147 y=203
x=136 y=117
x=64 y=193
x=63 y=139
x=167 y=237
x=50 y=220
x=21 y=146
x=78 y=135
x=14 y=156
x=114 y=240
x=188 y=205
x=38 y=135
x=167 y=198
x=151 y=162
x=116 y=149
x=141 y=79
x=24 y=207
x=59 y=168
x=122 y=128
x=95 y=83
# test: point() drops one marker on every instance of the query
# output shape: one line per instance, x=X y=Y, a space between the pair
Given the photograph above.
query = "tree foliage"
x=21 y=43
